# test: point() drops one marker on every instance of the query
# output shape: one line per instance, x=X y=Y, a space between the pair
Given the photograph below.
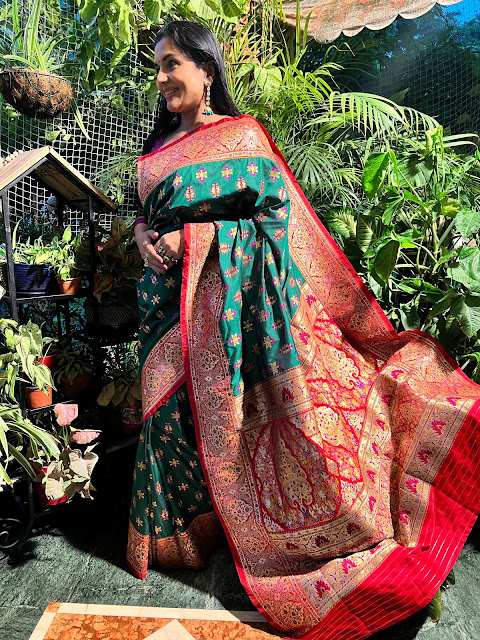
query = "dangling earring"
x=207 y=111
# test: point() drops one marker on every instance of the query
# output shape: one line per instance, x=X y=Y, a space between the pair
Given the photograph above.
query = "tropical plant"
x=122 y=388
x=71 y=470
x=73 y=359
x=16 y=432
x=20 y=347
x=24 y=46
x=122 y=381
x=415 y=238
x=117 y=260
x=62 y=254
x=113 y=24
x=28 y=251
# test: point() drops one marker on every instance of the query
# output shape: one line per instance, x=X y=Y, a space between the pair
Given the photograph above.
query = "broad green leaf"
x=443 y=304
x=410 y=318
x=467 y=270
x=386 y=259
x=89 y=9
x=364 y=234
x=342 y=222
x=373 y=174
x=467 y=311
x=421 y=285
x=156 y=9
x=106 y=394
x=450 y=207
x=467 y=222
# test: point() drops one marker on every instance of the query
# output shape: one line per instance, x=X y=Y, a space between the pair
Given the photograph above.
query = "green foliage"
x=20 y=347
x=73 y=359
x=24 y=46
x=415 y=239
x=117 y=260
x=62 y=253
x=113 y=24
x=15 y=433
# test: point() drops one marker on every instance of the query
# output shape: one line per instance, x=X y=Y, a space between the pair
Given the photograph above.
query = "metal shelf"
x=56 y=297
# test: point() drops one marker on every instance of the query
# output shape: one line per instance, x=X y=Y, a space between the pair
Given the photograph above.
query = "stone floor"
x=77 y=555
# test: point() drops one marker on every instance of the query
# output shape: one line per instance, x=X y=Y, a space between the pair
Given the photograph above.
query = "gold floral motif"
x=162 y=370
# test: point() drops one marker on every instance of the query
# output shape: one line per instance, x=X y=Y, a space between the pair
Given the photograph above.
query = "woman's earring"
x=207 y=111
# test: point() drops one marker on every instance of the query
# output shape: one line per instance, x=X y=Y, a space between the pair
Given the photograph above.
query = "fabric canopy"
x=330 y=18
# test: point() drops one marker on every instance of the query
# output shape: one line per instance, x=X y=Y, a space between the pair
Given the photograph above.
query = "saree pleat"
x=339 y=457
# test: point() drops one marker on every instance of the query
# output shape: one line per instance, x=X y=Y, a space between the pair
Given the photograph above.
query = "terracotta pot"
x=40 y=490
x=70 y=286
x=49 y=361
x=132 y=418
x=73 y=390
x=37 y=399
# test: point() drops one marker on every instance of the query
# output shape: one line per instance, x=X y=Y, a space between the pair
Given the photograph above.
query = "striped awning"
x=330 y=18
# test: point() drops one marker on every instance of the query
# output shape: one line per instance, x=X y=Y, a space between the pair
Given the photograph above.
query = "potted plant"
x=15 y=432
x=62 y=258
x=118 y=267
x=33 y=271
x=70 y=472
x=21 y=347
x=74 y=369
x=28 y=81
x=123 y=389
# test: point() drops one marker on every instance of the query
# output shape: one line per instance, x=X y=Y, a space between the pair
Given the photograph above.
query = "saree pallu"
x=339 y=456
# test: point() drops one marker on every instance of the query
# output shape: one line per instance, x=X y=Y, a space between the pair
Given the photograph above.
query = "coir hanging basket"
x=36 y=94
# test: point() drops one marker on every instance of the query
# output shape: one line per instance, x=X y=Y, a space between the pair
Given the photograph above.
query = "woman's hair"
x=199 y=44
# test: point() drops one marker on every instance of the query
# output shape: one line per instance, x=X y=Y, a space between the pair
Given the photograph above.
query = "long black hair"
x=199 y=44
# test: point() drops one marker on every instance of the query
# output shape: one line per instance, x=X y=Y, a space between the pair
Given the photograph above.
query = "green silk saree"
x=282 y=410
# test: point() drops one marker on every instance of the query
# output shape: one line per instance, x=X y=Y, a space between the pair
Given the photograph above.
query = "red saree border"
x=191 y=237
x=204 y=127
x=162 y=372
x=354 y=616
x=183 y=549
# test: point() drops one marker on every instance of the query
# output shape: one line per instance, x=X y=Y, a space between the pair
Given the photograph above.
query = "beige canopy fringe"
x=330 y=18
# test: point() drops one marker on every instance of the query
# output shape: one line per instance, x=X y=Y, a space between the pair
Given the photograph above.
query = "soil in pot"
x=73 y=390
x=37 y=399
x=40 y=491
x=70 y=286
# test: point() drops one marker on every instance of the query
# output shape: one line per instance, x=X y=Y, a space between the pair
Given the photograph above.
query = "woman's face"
x=179 y=79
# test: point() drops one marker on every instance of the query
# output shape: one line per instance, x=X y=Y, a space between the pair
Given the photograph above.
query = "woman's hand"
x=146 y=239
x=171 y=248
x=171 y=245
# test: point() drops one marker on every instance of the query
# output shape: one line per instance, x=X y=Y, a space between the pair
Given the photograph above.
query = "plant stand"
x=51 y=171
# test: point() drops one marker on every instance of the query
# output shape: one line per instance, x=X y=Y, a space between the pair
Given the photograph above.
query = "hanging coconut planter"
x=36 y=94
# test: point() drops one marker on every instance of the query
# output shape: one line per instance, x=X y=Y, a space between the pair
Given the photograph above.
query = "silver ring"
x=161 y=251
x=175 y=261
x=167 y=259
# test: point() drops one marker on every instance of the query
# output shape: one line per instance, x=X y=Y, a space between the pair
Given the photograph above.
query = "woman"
x=337 y=456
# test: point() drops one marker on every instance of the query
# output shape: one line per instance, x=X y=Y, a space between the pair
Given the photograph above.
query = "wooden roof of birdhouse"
x=58 y=176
